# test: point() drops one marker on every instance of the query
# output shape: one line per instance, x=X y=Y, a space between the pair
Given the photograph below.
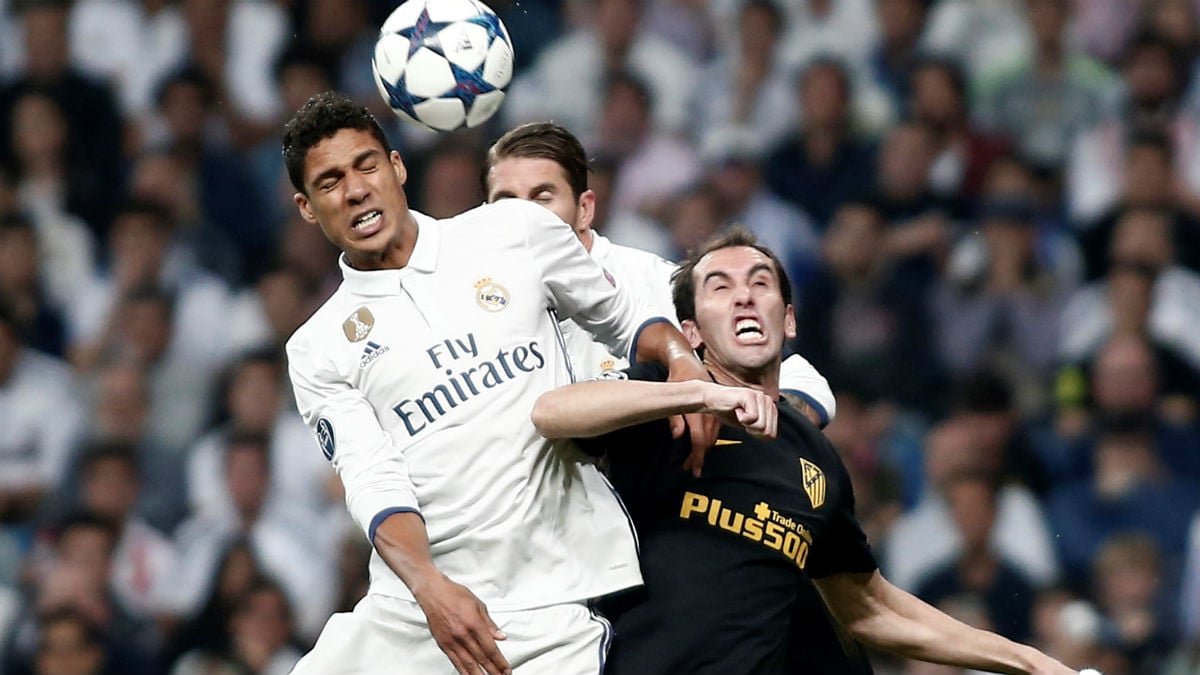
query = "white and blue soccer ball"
x=443 y=64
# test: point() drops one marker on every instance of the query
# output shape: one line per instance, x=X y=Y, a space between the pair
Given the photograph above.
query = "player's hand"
x=748 y=408
x=463 y=629
x=703 y=427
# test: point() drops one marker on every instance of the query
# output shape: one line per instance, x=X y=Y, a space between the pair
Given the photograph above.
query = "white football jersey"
x=419 y=383
x=649 y=277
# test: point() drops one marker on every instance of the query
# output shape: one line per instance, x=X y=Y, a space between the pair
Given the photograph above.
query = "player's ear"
x=585 y=211
x=398 y=167
x=305 y=207
x=789 y=322
x=692 y=332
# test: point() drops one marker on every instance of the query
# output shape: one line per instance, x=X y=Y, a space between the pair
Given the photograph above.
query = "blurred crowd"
x=990 y=210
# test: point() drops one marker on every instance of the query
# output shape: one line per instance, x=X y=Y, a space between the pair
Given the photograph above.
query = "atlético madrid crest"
x=490 y=295
x=814 y=483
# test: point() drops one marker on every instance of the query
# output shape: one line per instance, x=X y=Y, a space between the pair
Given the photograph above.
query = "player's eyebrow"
x=715 y=274
x=760 y=267
x=337 y=171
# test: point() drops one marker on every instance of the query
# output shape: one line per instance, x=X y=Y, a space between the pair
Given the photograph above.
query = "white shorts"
x=389 y=636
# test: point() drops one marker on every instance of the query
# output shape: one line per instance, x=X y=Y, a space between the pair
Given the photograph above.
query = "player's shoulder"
x=324 y=325
x=508 y=210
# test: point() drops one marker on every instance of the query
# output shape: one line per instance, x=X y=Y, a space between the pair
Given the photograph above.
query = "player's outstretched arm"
x=588 y=409
x=888 y=618
x=458 y=620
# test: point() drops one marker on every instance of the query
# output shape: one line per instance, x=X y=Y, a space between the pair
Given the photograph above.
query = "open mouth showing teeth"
x=367 y=220
x=748 y=328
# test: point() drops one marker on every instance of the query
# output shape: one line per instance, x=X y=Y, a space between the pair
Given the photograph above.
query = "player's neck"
x=395 y=255
x=766 y=380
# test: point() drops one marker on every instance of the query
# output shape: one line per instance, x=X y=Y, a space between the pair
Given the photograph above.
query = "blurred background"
x=990 y=210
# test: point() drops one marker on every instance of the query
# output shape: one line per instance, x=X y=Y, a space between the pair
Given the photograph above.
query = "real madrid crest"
x=814 y=483
x=490 y=295
x=359 y=325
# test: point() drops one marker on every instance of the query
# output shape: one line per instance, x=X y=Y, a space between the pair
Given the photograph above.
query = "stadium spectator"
x=1151 y=100
x=259 y=641
x=254 y=402
x=1001 y=294
x=91 y=126
x=568 y=81
x=859 y=316
x=205 y=630
x=963 y=153
x=978 y=573
x=1130 y=580
x=40 y=320
x=901 y=24
x=1130 y=488
x=733 y=171
x=924 y=537
x=823 y=163
x=1043 y=99
x=979 y=35
x=448 y=183
x=748 y=86
x=43 y=423
x=277 y=535
x=625 y=227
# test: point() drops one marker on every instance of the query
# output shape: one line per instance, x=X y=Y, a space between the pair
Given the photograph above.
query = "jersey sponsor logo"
x=814 y=483
x=371 y=352
x=325 y=437
x=490 y=295
x=764 y=526
x=466 y=377
x=358 y=326
x=727 y=441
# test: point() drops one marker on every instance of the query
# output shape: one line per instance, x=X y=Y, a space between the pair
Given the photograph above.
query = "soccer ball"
x=443 y=64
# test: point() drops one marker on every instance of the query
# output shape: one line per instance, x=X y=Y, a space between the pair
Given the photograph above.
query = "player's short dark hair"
x=86 y=520
x=16 y=221
x=683 y=286
x=772 y=9
x=158 y=214
x=948 y=66
x=187 y=76
x=322 y=116
x=1151 y=138
x=542 y=140
x=105 y=450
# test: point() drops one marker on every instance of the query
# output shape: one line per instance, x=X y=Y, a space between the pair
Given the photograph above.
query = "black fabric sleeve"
x=842 y=546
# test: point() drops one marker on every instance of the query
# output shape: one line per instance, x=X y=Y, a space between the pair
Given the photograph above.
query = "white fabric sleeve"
x=373 y=470
x=579 y=289
x=797 y=376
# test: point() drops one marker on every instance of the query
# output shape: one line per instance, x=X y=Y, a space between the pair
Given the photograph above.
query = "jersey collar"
x=600 y=247
x=389 y=282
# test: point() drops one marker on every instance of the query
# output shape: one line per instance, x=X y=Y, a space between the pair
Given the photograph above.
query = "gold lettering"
x=774 y=536
x=753 y=529
x=802 y=554
x=714 y=511
x=733 y=524
x=791 y=544
x=692 y=503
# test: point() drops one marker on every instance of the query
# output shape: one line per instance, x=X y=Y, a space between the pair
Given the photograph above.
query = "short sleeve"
x=842 y=545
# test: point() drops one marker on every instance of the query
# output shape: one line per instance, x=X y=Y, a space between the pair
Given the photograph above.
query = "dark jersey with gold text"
x=727 y=557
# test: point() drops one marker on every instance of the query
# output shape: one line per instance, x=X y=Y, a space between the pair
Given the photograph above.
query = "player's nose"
x=357 y=189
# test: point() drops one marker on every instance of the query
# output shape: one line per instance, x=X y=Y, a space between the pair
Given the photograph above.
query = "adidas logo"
x=371 y=352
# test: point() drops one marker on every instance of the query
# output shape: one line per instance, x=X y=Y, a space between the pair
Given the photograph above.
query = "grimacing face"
x=544 y=182
x=741 y=318
x=355 y=191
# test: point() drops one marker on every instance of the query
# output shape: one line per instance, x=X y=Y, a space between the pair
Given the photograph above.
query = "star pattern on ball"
x=469 y=84
x=399 y=96
x=424 y=33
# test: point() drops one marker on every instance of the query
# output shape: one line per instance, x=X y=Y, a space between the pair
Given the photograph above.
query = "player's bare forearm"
x=458 y=621
x=888 y=618
x=588 y=409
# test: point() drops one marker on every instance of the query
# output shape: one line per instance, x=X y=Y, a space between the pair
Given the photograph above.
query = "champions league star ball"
x=443 y=64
